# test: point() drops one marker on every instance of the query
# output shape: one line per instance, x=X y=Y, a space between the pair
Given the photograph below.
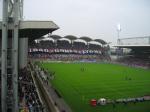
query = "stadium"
x=83 y=72
x=69 y=48
x=43 y=72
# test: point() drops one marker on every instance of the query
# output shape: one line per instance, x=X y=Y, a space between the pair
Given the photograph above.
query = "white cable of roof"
x=95 y=43
x=36 y=41
x=65 y=39
x=47 y=39
x=80 y=40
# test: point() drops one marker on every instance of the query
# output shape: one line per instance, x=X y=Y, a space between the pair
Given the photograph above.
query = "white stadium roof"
x=95 y=43
x=132 y=46
x=80 y=40
x=65 y=39
x=47 y=39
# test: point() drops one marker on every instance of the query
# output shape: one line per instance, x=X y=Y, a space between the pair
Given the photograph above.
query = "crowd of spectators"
x=95 y=47
x=46 y=44
x=69 y=57
x=78 y=46
x=62 y=44
x=124 y=101
x=136 y=62
x=65 y=50
x=28 y=96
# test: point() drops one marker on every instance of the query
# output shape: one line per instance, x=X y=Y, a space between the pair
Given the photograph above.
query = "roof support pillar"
x=23 y=52
x=15 y=55
x=4 y=56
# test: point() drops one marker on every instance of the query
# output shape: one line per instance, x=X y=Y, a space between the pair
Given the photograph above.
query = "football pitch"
x=78 y=83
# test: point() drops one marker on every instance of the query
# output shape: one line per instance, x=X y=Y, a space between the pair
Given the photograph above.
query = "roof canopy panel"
x=71 y=37
x=80 y=40
x=32 y=29
x=65 y=39
x=95 y=43
x=47 y=39
x=55 y=37
x=87 y=39
x=101 y=41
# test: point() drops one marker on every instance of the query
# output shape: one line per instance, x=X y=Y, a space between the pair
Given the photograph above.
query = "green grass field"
x=108 y=81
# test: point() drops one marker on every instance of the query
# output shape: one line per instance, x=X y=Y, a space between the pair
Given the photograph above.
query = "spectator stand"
x=54 y=100
x=29 y=99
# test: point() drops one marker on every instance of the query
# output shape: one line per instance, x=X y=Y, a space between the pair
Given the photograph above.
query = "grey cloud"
x=94 y=18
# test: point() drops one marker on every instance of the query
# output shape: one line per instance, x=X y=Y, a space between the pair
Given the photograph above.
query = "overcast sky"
x=93 y=18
